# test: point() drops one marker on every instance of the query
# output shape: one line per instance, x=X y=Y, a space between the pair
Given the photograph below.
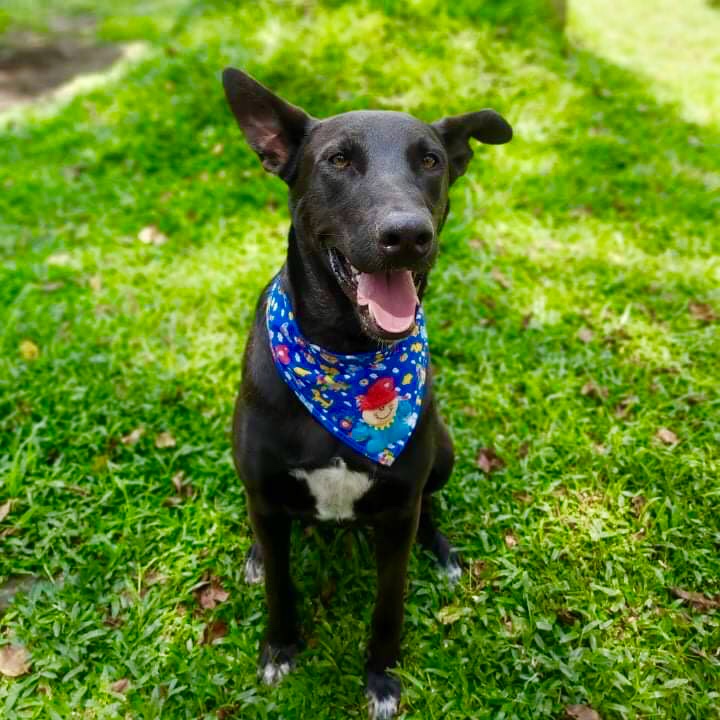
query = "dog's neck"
x=323 y=311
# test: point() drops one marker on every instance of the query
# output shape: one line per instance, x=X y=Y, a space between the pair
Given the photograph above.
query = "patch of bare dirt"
x=32 y=66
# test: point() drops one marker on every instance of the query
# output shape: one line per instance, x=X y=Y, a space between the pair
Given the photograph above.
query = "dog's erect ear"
x=273 y=128
x=487 y=126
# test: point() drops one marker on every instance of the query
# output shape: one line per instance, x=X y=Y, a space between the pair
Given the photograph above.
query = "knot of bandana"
x=370 y=401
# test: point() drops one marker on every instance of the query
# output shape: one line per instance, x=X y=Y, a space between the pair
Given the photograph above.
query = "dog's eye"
x=340 y=160
x=430 y=160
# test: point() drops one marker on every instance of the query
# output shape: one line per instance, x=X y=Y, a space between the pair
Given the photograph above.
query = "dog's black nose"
x=405 y=237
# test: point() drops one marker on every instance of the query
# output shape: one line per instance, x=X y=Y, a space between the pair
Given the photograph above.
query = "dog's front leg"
x=272 y=532
x=393 y=541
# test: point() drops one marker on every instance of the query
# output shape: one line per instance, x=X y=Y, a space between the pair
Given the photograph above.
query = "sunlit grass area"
x=573 y=319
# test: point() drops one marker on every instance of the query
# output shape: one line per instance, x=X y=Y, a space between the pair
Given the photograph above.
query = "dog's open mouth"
x=388 y=300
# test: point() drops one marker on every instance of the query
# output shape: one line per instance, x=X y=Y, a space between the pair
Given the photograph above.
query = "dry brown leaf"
x=120 y=686
x=132 y=437
x=625 y=405
x=702 y=311
x=511 y=539
x=211 y=593
x=183 y=488
x=29 y=350
x=95 y=283
x=488 y=460
x=164 y=440
x=600 y=449
x=667 y=436
x=638 y=504
x=213 y=631
x=585 y=334
x=523 y=497
x=523 y=449
x=5 y=510
x=593 y=390
x=151 y=235
x=581 y=712
x=567 y=616
x=14 y=661
x=696 y=599
x=500 y=279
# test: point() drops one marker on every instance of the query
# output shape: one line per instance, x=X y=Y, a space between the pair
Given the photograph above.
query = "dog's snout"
x=405 y=237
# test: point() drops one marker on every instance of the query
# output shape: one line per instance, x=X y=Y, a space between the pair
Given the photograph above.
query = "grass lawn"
x=573 y=318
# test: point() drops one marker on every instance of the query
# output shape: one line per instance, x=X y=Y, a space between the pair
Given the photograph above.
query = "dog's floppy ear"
x=487 y=126
x=273 y=128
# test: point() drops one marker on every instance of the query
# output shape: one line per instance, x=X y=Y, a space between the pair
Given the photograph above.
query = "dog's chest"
x=335 y=489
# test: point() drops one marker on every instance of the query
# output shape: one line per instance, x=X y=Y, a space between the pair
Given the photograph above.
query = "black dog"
x=368 y=198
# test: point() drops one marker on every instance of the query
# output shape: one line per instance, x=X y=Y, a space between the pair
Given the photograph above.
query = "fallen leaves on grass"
x=132 y=437
x=567 y=617
x=511 y=539
x=183 y=490
x=500 y=278
x=585 y=334
x=95 y=283
x=164 y=440
x=213 y=631
x=696 y=599
x=581 y=712
x=667 y=436
x=29 y=350
x=702 y=311
x=120 y=686
x=593 y=390
x=625 y=405
x=488 y=460
x=523 y=449
x=151 y=235
x=210 y=593
x=14 y=661
x=5 y=510
x=523 y=497
x=638 y=504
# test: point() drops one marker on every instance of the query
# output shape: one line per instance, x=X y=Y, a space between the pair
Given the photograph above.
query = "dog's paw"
x=254 y=567
x=451 y=570
x=447 y=558
x=276 y=661
x=383 y=694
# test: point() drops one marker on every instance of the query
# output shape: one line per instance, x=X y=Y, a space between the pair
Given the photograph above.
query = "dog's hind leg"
x=254 y=566
x=428 y=534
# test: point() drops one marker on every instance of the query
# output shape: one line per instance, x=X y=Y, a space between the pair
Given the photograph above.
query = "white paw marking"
x=254 y=571
x=384 y=709
x=452 y=571
x=335 y=489
x=273 y=673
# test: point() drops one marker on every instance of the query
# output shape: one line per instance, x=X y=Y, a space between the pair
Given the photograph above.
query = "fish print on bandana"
x=370 y=401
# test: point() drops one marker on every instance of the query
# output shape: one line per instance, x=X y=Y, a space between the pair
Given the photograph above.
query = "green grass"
x=602 y=214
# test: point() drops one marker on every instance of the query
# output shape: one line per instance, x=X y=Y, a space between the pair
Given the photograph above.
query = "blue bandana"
x=370 y=401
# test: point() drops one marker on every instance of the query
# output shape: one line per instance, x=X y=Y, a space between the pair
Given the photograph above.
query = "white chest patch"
x=335 y=489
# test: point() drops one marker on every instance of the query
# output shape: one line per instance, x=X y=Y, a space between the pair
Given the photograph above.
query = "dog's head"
x=368 y=190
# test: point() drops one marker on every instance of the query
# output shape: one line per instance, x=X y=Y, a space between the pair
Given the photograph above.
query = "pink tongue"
x=391 y=298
